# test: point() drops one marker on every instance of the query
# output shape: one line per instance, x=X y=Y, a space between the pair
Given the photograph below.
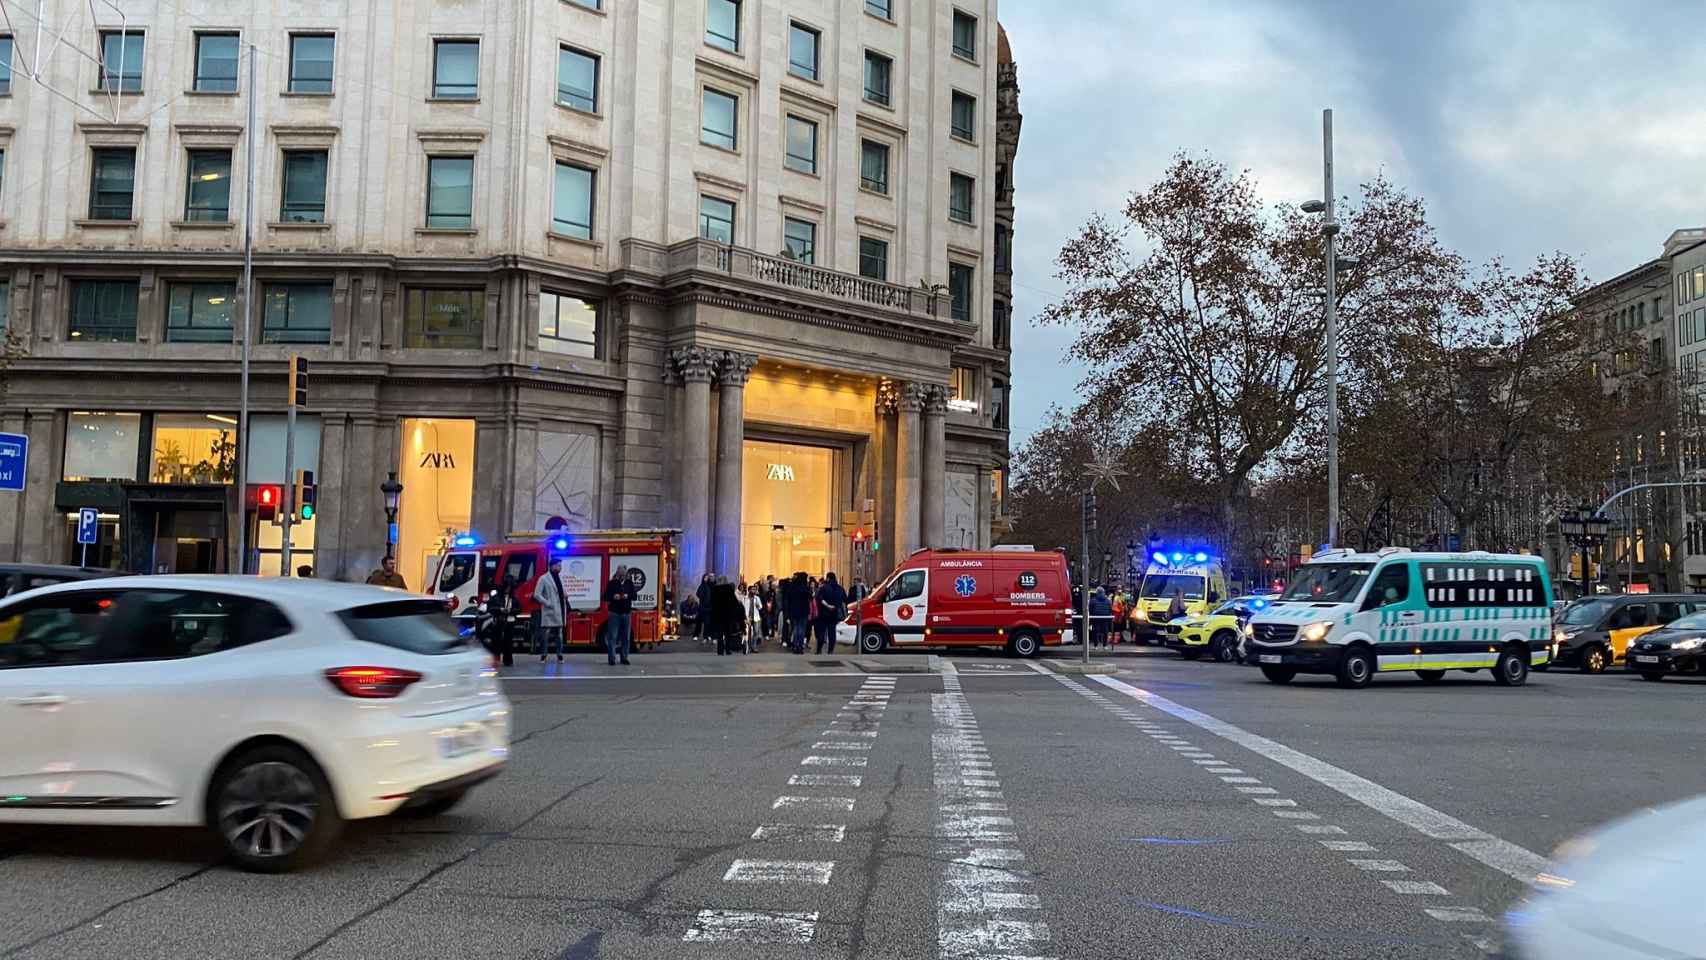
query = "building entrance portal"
x=787 y=510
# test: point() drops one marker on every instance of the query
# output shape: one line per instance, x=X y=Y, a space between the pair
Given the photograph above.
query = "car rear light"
x=371 y=683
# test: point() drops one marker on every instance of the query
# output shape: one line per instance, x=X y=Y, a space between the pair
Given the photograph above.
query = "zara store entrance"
x=789 y=498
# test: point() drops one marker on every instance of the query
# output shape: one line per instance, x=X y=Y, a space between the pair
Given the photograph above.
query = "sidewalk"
x=688 y=659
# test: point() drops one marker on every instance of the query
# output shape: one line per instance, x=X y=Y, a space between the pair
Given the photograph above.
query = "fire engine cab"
x=1017 y=599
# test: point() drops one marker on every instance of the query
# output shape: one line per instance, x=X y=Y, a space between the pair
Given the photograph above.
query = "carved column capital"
x=735 y=368
x=694 y=364
x=909 y=397
x=886 y=390
x=935 y=400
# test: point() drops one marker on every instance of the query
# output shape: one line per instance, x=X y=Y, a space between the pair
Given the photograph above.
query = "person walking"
x=831 y=607
x=553 y=610
x=619 y=621
x=754 y=616
x=387 y=575
x=728 y=617
x=1101 y=616
x=503 y=608
x=706 y=582
x=797 y=607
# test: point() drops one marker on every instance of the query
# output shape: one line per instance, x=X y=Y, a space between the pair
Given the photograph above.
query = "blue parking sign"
x=14 y=460
x=87 y=529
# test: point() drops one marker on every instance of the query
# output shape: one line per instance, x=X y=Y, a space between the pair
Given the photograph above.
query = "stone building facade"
x=725 y=266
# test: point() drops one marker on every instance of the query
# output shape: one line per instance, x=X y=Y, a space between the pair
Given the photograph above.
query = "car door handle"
x=40 y=700
x=1408 y=616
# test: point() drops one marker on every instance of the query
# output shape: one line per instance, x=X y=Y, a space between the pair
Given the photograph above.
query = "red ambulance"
x=1017 y=599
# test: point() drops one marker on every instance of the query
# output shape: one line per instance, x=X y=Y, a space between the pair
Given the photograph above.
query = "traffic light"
x=305 y=494
x=858 y=538
x=298 y=393
x=1090 y=510
x=266 y=504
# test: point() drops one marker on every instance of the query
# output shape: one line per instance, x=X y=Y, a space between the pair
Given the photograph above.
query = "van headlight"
x=1140 y=614
x=1316 y=632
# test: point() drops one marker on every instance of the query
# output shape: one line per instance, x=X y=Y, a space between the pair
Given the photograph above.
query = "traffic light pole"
x=287 y=495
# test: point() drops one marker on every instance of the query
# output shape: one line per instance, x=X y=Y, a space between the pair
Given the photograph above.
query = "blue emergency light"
x=1258 y=604
x=1178 y=557
x=561 y=543
x=1202 y=557
x=1160 y=558
x=465 y=541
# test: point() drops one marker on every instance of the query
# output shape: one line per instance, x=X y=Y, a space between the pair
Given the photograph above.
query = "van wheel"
x=1431 y=676
x=1594 y=659
x=1279 y=674
x=1224 y=646
x=272 y=809
x=873 y=641
x=1511 y=670
x=1356 y=668
x=1024 y=644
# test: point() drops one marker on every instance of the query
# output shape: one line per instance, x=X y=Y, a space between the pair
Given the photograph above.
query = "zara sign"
x=780 y=471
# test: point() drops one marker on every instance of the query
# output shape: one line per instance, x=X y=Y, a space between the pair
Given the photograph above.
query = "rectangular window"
x=444 y=319
x=311 y=62
x=208 y=196
x=874 y=258
x=112 y=183
x=5 y=305
x=960 y=293
x=456 y=69
x=1699 y=284
x=1482 y=585
x=101 y=445
x=874 y=166
x=200 y=312
x=878 y=72
x=103 y=311
x=802 y=145
x=590 y=5
x=450 y=193
x=297 y=313
x=577 y=79
x=880 y=8
x=965 y=35
x=718 y=123
x=961 y=188
x=962 y=119
x=962 y=387
x=571 y=211
x=722 y=24
x=216 y=62
x=5 y=66
x=568 y=325
x=304 y=187
x=1641 y=314
x=1656 y=353
x=121 y=61
x=799 y=240
x=716 y=220
x=802 y=51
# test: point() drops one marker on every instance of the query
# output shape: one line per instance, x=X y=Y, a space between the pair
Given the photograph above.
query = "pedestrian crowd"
x=740 y=617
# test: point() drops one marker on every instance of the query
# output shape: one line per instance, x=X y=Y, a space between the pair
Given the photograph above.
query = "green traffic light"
x=308 y=511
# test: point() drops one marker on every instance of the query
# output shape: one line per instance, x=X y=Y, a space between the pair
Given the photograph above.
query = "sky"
x=1528 y=127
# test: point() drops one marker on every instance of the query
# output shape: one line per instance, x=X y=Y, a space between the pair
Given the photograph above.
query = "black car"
x=18 y=577
x=1677 y=647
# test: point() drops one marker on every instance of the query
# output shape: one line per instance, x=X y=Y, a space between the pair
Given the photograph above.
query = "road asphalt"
x=994 y=808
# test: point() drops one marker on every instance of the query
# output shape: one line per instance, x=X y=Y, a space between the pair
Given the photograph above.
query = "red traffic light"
x=266 y=503
x=858 y=536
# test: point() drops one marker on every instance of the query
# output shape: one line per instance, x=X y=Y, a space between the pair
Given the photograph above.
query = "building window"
x=1002 y=248
x=568 y=325
x=192 y=448
x=999 y=397
x=1641 y=314
x=456 y=69
x=450 y=193
x=878 y=72
x=101 y=446
x=1656 y=354
x=874 y=166
x=103 y=311
x=297 y=313
x=880 y=8
x=965 y=35
x=577 y=79
x=443 y=319
x=1001 y=179
x=589 y=4
x=960 y=191
x=874 y=258
x=1002 y=321
x=802 y=145
x=1699 y=284
x=304 y=187
x=718 y=123
x=802 y=51
x=200 y=312
x=960 y=278
x=208 y=196
x=571 y=213
x=121 y=61
x=112 y=183
x=962 y=119
x=215 y=63
x=799 y=240
x=716 y=220
x=722 y=24
x=962 y=388
x=5 y=305
x=5 y=66
x=311 y=62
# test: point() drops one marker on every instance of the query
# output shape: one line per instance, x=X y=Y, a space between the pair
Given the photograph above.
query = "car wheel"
x=1024 y=644
x=1224 y=647
x=873 y=641
x=273 y=810
x=1511 y=670
x=1356 y=668
x=1594 y=659
x=1652 y=675
x=1279 y=674
x=438 y=805
x=1431 y=676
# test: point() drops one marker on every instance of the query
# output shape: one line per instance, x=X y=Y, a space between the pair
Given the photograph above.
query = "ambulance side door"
x=906 y=605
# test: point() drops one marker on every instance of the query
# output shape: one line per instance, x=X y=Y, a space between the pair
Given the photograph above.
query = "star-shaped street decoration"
x=1103 y=471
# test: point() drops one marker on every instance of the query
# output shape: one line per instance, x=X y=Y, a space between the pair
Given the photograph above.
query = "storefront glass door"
x=788 y=515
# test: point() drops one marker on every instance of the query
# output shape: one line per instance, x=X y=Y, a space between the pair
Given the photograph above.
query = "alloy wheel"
x=267 y=809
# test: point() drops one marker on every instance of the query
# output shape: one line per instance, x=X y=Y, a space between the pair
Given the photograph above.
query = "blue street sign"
x=14 y=460
x=87 y=530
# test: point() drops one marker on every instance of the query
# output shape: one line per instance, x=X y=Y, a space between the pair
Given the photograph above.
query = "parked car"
x=269 y=710
x=1676 y=647
x=18 y=577
x=1594 y=633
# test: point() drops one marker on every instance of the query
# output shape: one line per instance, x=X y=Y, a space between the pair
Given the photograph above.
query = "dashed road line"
x=801 y=832
x=744 y=926
x=780 y=871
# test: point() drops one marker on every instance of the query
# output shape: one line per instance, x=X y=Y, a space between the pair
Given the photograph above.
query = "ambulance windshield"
x=1327 y=582
x=1163 y=585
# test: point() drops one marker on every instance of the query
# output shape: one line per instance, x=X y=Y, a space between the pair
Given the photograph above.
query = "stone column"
x=935 y=468
x=733 y=369
x=883 y=485
x=909 y=400
x=694 y=365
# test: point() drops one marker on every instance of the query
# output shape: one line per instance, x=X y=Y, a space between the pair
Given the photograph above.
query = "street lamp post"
x=393 y=492
x=1329 y=236
x=1585 y=528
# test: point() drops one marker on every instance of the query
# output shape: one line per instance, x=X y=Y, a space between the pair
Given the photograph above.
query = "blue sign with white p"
x=87 y=529
x=14 y=460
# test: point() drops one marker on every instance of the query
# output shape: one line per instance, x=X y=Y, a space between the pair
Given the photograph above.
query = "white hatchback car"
x=270 y=710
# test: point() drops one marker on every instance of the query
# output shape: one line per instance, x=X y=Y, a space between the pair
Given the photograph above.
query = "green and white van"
x=1353 y=615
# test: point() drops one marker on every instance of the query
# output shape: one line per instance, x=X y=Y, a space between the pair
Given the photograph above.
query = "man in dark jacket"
x=727 y=620
x=1101 y=617
x=619 y=604
x=797 y=607
x=831 y=607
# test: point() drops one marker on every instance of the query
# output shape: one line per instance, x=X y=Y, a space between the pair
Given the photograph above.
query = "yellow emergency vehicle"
x=1196 y=577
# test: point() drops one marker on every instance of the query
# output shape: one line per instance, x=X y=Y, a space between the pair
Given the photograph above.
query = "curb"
x=932 y=665
x=1074 y=666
